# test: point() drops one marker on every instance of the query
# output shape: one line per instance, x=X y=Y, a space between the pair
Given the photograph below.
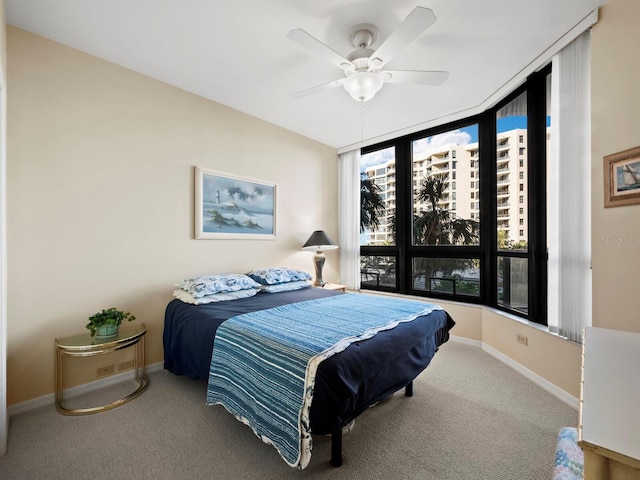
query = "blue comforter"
x=263 y=366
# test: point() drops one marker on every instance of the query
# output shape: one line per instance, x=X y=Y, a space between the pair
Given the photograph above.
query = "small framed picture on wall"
x=622 y=178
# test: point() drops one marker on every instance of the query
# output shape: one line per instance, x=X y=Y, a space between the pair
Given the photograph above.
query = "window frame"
x=486 y=251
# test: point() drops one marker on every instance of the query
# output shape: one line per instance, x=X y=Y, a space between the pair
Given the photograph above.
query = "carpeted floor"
x=471 y=417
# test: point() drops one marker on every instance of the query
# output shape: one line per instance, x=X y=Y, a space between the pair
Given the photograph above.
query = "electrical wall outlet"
x=106 y=370
x=125 y=365
x=522 y=339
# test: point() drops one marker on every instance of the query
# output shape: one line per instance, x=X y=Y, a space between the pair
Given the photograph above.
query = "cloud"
x=381 y=157
x=239 y=194
x=455 y=137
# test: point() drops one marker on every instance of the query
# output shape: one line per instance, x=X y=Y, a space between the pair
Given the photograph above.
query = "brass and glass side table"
x=87 y=346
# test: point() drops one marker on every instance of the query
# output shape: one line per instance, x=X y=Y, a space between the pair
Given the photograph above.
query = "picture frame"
x=233 y=207
x=622 y=178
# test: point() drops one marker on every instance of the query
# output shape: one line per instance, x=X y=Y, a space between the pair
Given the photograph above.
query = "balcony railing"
x=451 y=285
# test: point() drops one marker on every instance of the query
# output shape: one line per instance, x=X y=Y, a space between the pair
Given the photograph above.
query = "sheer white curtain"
x=349 y=218
x=569 y=191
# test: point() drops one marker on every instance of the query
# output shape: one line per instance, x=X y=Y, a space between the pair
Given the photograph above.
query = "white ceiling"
x=236 y=52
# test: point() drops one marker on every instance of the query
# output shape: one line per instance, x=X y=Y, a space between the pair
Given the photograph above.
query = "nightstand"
x=87 y=346
x=335 y=286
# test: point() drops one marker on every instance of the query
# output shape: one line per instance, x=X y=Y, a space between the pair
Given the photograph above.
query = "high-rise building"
x=458 y=166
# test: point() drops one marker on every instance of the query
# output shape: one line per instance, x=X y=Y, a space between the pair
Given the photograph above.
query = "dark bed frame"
x=336 y=437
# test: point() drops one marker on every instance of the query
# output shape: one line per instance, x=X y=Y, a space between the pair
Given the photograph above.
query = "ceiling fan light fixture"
x=362 y=86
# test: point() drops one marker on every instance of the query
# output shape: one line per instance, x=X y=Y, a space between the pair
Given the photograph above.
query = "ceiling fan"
x=363 y=68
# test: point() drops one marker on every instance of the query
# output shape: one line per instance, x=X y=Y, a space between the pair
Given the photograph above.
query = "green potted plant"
x=107 y=322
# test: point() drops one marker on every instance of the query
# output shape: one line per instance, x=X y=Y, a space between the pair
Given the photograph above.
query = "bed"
x=346 y=383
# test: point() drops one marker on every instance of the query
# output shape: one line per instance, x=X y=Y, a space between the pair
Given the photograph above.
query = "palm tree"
x=372 y=206
x=437 y=226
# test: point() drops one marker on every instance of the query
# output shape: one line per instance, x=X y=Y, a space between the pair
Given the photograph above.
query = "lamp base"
x=318 y=262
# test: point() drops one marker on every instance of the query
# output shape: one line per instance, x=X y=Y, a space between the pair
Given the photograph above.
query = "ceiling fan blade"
x=411 y=28
x=318 y=88
x=418 y=77
x=305 y=40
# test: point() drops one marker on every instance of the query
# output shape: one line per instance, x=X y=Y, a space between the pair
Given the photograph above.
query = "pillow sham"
x=285 y=287
x=272 y=276
x=186 y=297
x=212 y=284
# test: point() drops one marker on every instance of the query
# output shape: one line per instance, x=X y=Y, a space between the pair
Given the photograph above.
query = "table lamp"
x=319 y=242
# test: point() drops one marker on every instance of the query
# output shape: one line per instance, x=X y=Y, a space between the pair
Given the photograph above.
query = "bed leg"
x=336 y=448
x=408 y=390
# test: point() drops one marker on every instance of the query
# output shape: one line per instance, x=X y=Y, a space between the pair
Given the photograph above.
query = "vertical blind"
x=569 y=191
x=349 y=220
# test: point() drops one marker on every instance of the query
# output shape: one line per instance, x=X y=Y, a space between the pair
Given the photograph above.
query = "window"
x=453 y=239
x=377 y=196
x=435 y=220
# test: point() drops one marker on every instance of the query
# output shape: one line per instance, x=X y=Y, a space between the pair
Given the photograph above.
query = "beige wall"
x=615 y=123
x=77 y=123
x=100 y=198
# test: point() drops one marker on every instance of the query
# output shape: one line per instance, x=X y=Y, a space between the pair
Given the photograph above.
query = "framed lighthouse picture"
x=229 y=206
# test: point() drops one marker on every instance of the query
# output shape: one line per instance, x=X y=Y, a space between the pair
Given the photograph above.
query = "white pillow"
x=186 y=297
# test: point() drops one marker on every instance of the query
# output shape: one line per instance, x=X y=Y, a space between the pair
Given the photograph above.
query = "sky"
x=245 y=194
x=461 y=136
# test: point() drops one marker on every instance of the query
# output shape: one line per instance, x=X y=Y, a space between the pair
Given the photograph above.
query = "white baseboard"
x=534 y=377
x=522 y=370
x=466 y=341
x=49 y=399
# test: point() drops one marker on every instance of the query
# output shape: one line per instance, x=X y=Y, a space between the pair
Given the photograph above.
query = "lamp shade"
x=319 y=242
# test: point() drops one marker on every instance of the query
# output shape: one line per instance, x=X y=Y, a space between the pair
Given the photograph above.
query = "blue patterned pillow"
x=285 y=287
x=186 y=297
x=210 y=284
x=272 y=276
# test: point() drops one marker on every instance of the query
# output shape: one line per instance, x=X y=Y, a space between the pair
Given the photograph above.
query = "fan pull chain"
x=362 y=125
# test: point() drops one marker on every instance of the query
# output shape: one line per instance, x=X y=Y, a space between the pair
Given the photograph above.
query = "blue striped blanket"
x=264 y=363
